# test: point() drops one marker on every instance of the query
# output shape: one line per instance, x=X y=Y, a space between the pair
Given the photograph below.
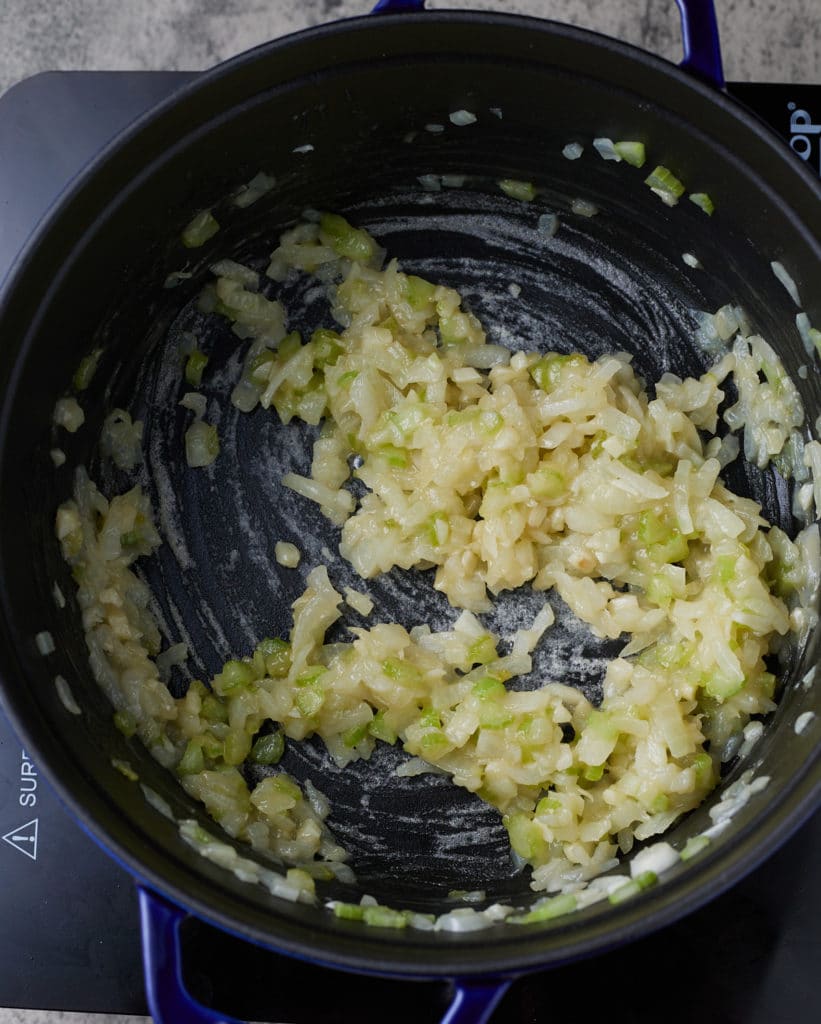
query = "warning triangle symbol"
x=24 y=838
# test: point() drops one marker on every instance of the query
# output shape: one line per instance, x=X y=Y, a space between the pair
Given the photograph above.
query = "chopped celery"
x=347 y=241
x=346 y=379
x=419 y=292
x=633 y=887
x=282 y=784
x=694 y=845
x=276 y=655
x=213 y=710
x=489 y=688
x=211 y=746
x=402 y=672
x=652 y=528
x=384 y=917
x=351 y=737
x=547 y=805
x=86 y=370
x=237 y=746
x=327 y=347
x=482 y=650
x=547 y=483
x=665 y=184
x=659 y=591
x=631 y=152
x=192 y=760
x=268 y=749
x=722 y=687
x=235 y=675
x=704 y=769
x=199 y=229
x=437 y=528
x=593 y=772
x=702 y=201
x=523 y=190
x=546 y=910
x=525 y=836
x=310 y=694
x=547 y=372
x=126 y=723
x=194 y=366
x=430 y=719
x=380 y=730
x=725 y=568
x=349 y=911
x=394 y=456
x=660 y=804
x=124 y=768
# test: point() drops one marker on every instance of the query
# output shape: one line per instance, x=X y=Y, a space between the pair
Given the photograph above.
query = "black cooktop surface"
x=69 y=938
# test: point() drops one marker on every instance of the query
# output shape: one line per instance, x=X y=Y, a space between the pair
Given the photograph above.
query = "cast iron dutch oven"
x=338 y=115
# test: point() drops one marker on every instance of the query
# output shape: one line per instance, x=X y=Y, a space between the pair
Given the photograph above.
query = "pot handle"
x=169 y=1002
x=699 y=35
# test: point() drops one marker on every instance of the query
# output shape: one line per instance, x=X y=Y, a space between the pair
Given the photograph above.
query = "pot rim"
x=376 y=952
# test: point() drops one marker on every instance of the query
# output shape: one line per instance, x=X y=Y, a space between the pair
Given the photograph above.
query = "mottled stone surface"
x=763 y=40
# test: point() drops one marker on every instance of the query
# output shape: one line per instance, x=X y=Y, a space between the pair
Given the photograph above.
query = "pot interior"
x=361 y=97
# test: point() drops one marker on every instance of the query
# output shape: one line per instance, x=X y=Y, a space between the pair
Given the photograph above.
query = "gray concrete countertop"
x=762 y=40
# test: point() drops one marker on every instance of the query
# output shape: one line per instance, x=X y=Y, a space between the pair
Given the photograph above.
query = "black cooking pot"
x=338 y=115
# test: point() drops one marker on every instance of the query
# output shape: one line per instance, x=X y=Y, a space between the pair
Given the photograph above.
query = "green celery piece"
x=384 y=917
x=547 y=372
x=631 y=152
x=725 y=567
x=192 y=760
x=345 y=240
x=237 y=747
x=659 y=591
x=213 y=709
x=665 y=184
x=287 y=787
x=548 y=804
x=694 y=845
x=547 y=483
x=394 y=456
x=194 y=366
x=351 y=737
x=419 y=292
x=593 y=772
x=660 y=804
x=327 y=345
x=482 y=650
x=633 y=887
x=556 y=906
x=235 y=675
x=703 y=202
x=268 y=749
x=525 y=837
x=125 y=723
x=379 y=729
x=652 y=529
x=433 y=528
x=721 y=687
x=492 y=715
x=489 y=688
x=522 y=190
x=705 y=770
x=310 y=694
x=346 y=379
x=349 y=911
x=86 y=370
x=199 y=229
x=402 y=672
